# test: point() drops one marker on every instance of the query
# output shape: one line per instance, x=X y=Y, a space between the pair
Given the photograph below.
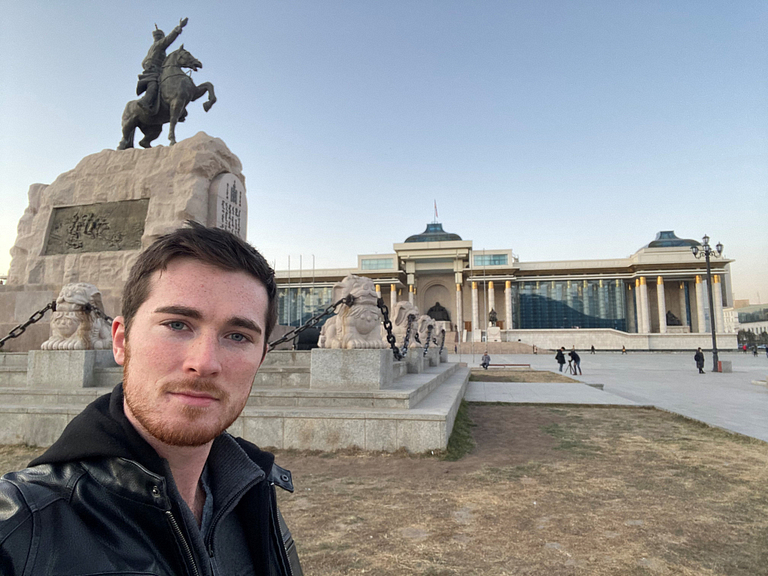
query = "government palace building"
x=655 y=299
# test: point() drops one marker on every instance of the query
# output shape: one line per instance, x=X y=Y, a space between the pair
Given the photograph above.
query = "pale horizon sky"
x=560 y=130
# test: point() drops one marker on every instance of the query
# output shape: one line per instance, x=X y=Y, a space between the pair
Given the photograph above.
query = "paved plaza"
x=668 y=381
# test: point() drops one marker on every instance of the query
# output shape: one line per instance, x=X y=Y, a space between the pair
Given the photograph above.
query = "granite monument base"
x=335 y=369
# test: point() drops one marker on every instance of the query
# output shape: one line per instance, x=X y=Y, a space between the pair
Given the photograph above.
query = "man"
x=576 y=359
x=560 y=357
x=153 y=65
x=146 y=480
x=699 y=359
x=485 y=361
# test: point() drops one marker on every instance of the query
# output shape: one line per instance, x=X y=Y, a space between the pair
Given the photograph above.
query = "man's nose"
x=203 y=355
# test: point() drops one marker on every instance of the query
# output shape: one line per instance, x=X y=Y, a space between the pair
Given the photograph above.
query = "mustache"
x=196 y=385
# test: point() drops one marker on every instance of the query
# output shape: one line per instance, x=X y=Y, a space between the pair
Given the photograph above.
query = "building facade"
x=659 y=290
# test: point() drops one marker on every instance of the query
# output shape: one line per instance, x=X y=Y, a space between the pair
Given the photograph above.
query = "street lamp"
x=707 y=252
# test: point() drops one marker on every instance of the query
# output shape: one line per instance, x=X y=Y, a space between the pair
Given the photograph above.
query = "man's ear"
x=118 y=340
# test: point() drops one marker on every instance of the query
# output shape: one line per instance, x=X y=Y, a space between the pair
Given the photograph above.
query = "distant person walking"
x=745 y=348
x=486 y=360
x=699 y=359
x=560 y=357
x=623 y=349
x=592 y=350
x=576 y=361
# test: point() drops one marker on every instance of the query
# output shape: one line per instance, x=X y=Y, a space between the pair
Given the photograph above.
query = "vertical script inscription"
x=227 y=205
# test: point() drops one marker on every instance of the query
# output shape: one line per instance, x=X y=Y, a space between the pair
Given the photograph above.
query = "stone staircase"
x=416 y=411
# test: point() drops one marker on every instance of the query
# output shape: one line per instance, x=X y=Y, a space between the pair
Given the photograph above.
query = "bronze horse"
x=176 y=91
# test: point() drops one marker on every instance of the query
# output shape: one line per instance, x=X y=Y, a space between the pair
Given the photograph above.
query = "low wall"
x=609 y=339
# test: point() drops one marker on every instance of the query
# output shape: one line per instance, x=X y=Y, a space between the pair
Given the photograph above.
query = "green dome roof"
x=667 y=239
x=433 y=233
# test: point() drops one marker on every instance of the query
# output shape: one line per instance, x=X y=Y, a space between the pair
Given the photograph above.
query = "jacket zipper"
x=184 y=544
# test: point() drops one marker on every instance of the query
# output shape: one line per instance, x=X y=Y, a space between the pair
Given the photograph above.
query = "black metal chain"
x=404 y=349
x=21 y=328
x=291 y=334
x=388 y=327
x=429 y=339
x=100 y=313
x=442 y=344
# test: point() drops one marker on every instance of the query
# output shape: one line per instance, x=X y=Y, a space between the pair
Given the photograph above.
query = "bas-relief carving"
x=101 y=227
x=72 y=327
x=356 y=326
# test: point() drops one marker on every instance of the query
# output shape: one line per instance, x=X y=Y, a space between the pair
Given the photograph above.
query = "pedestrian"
x=744 y=348
x=623 y=349
x=754 y=350
x=576 y=361
x=486 y=360
x=699 y=359
x=592 y=350
x=560 y=357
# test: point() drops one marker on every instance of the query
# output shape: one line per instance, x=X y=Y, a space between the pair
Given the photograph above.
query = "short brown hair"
x=211 y=246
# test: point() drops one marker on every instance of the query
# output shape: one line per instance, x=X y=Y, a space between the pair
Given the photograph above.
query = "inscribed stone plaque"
x=102 y=227
x=227 y=207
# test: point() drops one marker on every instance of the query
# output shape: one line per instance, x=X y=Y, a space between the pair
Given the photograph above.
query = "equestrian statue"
x=167 y=91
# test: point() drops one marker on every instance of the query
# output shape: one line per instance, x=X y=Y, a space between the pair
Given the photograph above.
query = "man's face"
x=193 y=350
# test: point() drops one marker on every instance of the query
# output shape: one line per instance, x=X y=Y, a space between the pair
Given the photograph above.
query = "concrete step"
x=13 y=359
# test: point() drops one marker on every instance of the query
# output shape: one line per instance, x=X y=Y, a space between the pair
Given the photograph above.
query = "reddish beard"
x=192 y=432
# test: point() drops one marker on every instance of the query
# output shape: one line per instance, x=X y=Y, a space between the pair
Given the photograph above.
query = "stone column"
x=459 y=310
x=700 y=305
x=411 y=291
x=683 y=312
x=491 y=298
x=620 y=306
x=392 y=296
x=585 y=297
x=378 y=290
x=475 y=315
x=639 y=307
x=717 y=298
x=602 y=299
x=508 y=301
x=661 y=299
x=646 y=306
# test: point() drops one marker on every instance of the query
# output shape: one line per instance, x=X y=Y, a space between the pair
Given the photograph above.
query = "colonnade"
x=642 y=306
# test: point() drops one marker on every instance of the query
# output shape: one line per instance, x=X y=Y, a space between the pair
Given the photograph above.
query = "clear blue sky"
x=560 y=129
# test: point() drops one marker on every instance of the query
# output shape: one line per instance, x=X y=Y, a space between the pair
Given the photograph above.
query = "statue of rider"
x=153 y=63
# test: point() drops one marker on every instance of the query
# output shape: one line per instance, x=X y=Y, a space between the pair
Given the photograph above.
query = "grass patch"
x=502 y=375
x=461 y=442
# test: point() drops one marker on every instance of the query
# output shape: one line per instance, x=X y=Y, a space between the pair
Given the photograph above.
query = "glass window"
x=491 y=260
x=376 y=264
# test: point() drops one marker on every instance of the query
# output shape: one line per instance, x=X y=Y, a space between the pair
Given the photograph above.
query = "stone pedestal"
x=433 y=356
x=66 y=369
x=494 y=334
x=414 y=359
x=334 y=369
x=444 y=356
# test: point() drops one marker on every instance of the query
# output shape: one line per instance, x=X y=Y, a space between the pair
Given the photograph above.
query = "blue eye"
x=237 y=337
x=176 y=325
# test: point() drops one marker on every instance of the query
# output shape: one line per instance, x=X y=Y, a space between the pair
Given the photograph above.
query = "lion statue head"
x=358 y=325
x=75 y=325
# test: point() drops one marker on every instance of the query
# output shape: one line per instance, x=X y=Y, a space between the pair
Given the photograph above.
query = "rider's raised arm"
x=173 y=34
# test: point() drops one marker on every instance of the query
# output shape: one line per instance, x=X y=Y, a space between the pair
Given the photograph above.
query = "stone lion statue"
x=423 y=323
x=356 y=326
x=73 y=327
x=399 y=318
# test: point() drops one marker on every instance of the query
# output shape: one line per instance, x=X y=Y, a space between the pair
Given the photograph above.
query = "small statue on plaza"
x=492 y=317
x=439 y=313
x=424 y=324
x=358 y=325
x=400 y=313
x=79 y=321
x=167 y=91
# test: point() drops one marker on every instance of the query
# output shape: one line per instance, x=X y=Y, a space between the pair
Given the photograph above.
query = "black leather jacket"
x=112 y=515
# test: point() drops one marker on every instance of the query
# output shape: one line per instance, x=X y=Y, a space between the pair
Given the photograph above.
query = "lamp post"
x=707 y=252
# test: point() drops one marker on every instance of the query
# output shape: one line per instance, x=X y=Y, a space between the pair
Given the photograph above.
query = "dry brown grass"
x=515 y=375
x=547 y=491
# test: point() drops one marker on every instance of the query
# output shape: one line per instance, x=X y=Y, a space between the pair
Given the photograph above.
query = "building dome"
x=433 y=233
x=667 y=239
